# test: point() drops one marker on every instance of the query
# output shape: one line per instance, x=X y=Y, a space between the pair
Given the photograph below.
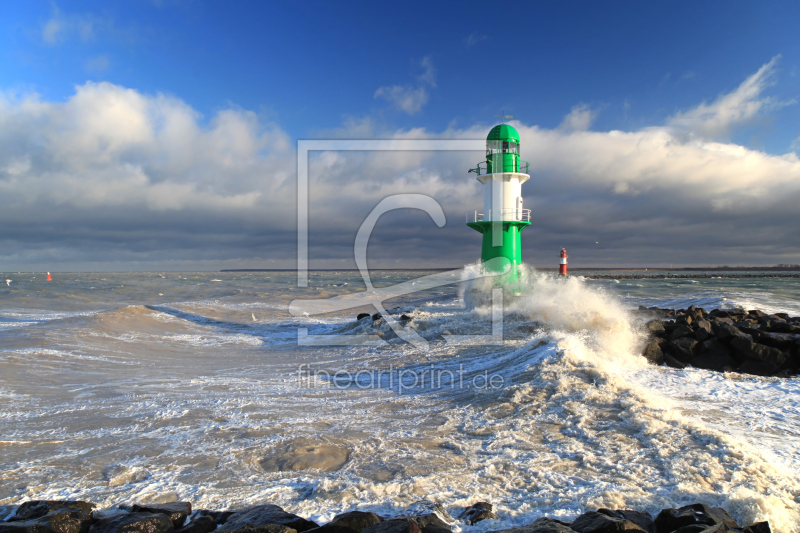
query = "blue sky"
x=288 y=71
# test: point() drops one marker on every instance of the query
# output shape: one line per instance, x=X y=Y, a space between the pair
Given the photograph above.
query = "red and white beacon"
x=562 y=267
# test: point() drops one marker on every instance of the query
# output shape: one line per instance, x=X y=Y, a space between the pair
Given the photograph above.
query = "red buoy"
x=562 y=268
x=48 y=277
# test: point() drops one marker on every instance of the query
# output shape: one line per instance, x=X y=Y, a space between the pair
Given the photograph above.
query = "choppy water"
x=120 y=387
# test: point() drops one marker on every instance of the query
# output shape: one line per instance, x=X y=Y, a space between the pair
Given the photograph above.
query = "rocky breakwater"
x=748 y=342
x=421 y=517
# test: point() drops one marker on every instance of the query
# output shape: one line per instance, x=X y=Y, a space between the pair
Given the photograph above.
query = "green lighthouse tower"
x=503 y=218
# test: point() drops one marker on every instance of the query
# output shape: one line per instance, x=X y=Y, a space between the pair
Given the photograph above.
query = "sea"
x=223 y=389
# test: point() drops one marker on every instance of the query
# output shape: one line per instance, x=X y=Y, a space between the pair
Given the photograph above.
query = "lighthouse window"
x=510 y=147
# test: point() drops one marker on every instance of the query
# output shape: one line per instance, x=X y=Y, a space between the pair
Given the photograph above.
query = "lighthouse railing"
x=511 y=214
x=483 y=167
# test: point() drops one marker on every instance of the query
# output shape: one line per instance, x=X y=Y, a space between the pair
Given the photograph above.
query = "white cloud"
x=717 y=119
x=146 y=174
x=62 y=27
x=580 y=118
x=474 y=38
x=408 y=99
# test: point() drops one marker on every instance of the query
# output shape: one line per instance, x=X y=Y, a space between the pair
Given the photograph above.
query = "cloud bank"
x=116 y=179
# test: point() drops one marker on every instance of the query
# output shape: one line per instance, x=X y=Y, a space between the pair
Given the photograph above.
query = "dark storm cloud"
x=113 y=179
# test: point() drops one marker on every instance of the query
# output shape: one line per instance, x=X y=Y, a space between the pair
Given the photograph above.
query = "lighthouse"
x=503 y=218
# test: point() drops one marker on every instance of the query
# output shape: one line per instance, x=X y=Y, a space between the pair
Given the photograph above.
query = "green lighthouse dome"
x=503 y=132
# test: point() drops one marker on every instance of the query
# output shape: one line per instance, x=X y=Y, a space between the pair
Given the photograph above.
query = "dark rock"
x=712 y=345
x=681 y=331
x=656 y=327
x=669 y=327
x=761 y=352
x=757 y=313
x=426 y=513
x=694 y=528
x=757 y=368
x=357 y=520
x=393 y=526
x=60 y=516
x=642 y=519
x=405 y=317
x=176 y=511
x=720 y=320
x=775 y=340
x=541 y=525
x=758 y=527
x=703 y=330
x=685 y=320
x=133 y=523
x=669 y=520
x=682 y=348
x=39 y=508
x=784 y=327
x=426 y=522
x=362 y=315
x=377 y=316
x=262 y=515
x=201 y=524
x=220 y=517
x=595 y=522
x=674 y=363
x=653 y=353
x=725 y=332
x=26 y=526
x=332 y=528
x=477 y=512
x=719 y=361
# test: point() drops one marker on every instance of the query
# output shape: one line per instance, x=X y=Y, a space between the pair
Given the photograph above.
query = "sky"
x=162 y=135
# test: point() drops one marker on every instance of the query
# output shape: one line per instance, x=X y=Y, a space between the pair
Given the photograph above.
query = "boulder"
x=201 y=524
x=595 y=522
x=784 y=327
x=133 y=523
x=656 y=327
x=362 y=315
x=330 y=527
x=757 y=368
x=681 y=331
x=393 y=526
x=758 y=527
x=39 y=508
x=684 y=319
x=477 y=512
x=674 y=363
x=377 y=316
x=682 y=348
x=176 y=511
x=719 y=320
x=54 y=516
x=426 y=513
x=760 y=352
x=642 y=519
x=757 y=313
x=267 y=514
x=718 y=361
x=26 y=526
x=653 y=353
x=669 y=520
x=703 y=330
x=775 y=340
x=357 y=520
x=541 y=525
x=726 y=332
x=220 y=517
